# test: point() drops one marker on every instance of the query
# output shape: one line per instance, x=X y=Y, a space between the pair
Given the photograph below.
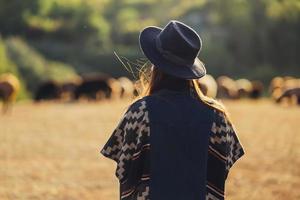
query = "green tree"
x=12 y=13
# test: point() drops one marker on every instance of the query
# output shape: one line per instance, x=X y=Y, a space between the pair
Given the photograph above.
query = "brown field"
x=51 y=151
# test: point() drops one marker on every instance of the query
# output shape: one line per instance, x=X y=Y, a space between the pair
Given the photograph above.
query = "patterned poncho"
x=171 y=146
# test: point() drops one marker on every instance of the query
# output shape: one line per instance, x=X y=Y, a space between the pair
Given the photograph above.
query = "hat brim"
x=148 y=46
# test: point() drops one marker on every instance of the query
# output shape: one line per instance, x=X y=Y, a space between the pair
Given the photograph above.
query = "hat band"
x=170 y=56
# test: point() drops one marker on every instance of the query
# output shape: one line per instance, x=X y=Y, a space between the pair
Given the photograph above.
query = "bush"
x=33 y=67
x=8 y=66
x=86 y=60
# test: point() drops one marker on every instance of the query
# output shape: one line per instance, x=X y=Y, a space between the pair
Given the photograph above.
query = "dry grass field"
x=51 y=151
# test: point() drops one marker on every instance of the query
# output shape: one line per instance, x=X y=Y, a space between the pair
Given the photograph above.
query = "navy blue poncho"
x=171 y=146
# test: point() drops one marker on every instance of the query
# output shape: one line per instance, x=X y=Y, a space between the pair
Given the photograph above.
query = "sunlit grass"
x=51 y=151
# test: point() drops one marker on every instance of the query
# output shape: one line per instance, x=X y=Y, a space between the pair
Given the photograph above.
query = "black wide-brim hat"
x=173 y=49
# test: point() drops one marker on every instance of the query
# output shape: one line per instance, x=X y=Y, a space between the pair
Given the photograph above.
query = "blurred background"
x=54 y=39
x=50 y=150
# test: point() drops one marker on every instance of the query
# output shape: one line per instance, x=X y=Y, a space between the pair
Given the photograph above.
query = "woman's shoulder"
x=143 y=103
x=138 y=105
x=137 y=112
x=222 y=123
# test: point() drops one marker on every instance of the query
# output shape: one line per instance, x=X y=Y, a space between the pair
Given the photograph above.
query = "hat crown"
x=177 y=40
x=173 y=49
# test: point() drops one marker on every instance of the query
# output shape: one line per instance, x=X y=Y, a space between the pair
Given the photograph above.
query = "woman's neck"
x=173 y=84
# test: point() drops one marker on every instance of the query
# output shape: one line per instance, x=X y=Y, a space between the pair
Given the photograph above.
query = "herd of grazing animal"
x=226 y=88
x=285 y=89
x=9 y=88
x=95 y=87
x=91 y=87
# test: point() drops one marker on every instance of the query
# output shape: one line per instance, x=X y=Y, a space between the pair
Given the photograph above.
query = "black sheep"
x=94 y=88
x=49 y=90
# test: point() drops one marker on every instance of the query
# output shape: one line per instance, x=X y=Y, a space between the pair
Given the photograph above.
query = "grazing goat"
x=208 y=86
x=9 y=88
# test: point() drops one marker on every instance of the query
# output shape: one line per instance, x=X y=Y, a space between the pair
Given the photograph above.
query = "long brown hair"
x=153 y=79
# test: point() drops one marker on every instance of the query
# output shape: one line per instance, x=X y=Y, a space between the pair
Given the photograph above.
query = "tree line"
x=241 y=38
